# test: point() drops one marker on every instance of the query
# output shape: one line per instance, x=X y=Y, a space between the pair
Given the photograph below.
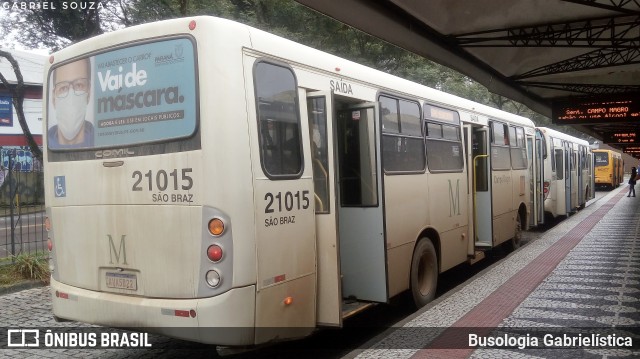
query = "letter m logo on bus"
x=117 y=253
x=454 y=203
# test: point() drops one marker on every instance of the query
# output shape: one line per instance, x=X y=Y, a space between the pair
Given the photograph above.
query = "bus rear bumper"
x=226 y=319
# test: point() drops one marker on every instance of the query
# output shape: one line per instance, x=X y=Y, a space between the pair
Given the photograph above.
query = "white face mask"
x=70 y=112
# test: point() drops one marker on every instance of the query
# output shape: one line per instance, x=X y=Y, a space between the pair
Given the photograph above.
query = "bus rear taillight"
x=214 y=253
x=216 y=227
x=213 y=278
x=545 y=190
x=47 y=227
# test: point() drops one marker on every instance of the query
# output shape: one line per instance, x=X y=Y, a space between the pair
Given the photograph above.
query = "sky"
x=8 y=41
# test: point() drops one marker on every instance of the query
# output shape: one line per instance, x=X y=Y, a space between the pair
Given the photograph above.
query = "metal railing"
x=22 y=209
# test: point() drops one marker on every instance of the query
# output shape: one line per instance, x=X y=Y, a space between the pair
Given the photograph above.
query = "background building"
x=12 y=140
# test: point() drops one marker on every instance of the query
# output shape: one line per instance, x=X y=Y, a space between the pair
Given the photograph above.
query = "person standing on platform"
x=632 y=182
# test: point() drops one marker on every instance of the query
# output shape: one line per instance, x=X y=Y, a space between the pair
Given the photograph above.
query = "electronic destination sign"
x=591 y=111
x=633 y=151
x=622 y=138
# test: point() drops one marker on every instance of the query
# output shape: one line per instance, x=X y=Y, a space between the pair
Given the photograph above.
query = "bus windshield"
x=142 y=93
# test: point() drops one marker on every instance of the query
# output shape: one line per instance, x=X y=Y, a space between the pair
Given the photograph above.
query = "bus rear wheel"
x=424 y=273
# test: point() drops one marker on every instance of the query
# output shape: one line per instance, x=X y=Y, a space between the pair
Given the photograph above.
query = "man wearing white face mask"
x=70 y=99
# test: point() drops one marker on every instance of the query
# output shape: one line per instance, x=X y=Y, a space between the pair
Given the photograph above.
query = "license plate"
x=122 y=281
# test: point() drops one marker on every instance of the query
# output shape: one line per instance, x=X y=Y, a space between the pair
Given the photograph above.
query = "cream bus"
x=224 y=185
x=567 y=172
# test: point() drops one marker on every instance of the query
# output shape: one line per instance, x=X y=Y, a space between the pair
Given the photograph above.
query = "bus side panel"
x=503 y=199
x=285 y=243
x=406 y=214
x=277 y=319
x=448 y=208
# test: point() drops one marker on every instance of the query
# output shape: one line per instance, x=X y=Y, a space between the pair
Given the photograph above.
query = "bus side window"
x=444 y=148
x=559 y=164
x=500 y=152
x=518 y=148
x=402 y=139
x=278 y=120
x=317 y=112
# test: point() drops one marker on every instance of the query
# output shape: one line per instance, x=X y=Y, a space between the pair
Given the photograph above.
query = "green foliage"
x=7 y=274
x=32 y=267
x=287 y=18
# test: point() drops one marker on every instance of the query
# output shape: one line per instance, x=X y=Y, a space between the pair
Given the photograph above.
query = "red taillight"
x=214 y=253
x=49 y=244
x=545 y=189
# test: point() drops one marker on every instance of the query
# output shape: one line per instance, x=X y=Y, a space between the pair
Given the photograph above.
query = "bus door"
x=531 y=163
x=558 y=153
x=539 y=180
x=567 y=179
x=579 y=168
x=320 y=111
x=575 y=176
x=482 y=208
x=360 y=212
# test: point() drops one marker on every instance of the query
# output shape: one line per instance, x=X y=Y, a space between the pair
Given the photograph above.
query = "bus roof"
x=563 y=136
x=288 y=51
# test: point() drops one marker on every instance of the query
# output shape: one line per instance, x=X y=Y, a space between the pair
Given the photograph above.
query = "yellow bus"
x=609 y=168
x=224 y=185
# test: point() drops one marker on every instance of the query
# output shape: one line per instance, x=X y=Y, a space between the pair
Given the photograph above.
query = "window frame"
x=400 y=134
x=296 y=111
x=503 y=146
x=432 y=122
x=518 y=144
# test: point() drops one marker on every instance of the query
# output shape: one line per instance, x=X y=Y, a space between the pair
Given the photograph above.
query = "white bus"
x=567 y=173
x=226 y=178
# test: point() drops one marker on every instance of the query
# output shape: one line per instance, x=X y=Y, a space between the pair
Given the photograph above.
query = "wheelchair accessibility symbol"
x=59 y=186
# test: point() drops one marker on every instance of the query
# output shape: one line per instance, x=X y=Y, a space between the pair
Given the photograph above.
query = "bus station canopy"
x=574 y=61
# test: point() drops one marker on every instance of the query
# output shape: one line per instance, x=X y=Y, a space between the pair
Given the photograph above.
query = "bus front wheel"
x=424 y=273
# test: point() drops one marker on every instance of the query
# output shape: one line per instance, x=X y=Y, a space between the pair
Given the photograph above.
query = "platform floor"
x=572 y=293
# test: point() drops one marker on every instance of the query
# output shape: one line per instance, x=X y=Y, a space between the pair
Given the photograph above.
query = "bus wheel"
x=517 y=237
x=424 y=273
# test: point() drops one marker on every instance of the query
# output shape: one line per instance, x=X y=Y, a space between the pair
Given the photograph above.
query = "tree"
x=17 y=95
x=61 y=22
x=56 y=29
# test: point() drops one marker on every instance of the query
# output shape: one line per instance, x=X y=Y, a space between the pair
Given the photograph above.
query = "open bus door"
x=360 y=204
x=560 y=179
x=539 y=157
x=320 y=110
x=531 y=163
x=567 y=177
x=482 y=208
x=579 y=167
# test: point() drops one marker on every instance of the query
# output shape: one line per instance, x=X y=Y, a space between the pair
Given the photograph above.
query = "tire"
x=516 y=241
x=424 y=273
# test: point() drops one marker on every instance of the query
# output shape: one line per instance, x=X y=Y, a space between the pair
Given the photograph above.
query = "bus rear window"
x=144 y=93
x=601 y=159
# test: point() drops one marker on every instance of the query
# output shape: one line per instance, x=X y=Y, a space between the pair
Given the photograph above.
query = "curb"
x=21 y=286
